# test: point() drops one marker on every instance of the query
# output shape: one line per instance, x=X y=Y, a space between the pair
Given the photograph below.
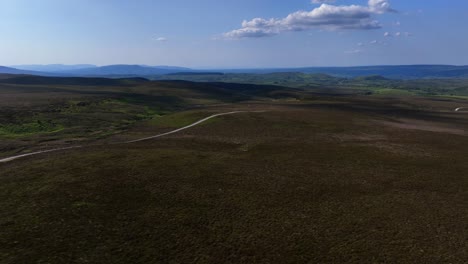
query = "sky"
x=234 y=33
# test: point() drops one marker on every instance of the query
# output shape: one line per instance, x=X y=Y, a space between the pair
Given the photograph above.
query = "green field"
x=368 y=85
x=322 y=175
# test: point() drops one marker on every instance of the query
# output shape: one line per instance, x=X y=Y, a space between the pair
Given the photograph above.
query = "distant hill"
x=197 y=73
x=170 y=91
x=8 y=70
x=171 y=68
x=290 y=79
x=53 y=67
x=122 y=70
x=78 y=81
x=393 y=72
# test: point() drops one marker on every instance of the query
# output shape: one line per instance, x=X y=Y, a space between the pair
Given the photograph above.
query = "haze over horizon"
x=234 y=34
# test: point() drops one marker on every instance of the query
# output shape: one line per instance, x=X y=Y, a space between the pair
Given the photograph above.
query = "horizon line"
x=236 y=68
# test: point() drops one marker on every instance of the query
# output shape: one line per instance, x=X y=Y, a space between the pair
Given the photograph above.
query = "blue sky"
x=211 y=33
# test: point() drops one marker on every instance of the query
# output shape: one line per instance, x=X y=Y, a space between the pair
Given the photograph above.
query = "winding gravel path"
x=36 y=153
x=189 y=126
x=132 y=141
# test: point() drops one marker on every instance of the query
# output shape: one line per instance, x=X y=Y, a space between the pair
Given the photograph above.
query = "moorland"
x=316 y=169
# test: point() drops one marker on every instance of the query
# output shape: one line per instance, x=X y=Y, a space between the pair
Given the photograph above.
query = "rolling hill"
x=8 y=70
x=155 y=72
x=53 y=67
x=123 y=70
x=394 y=72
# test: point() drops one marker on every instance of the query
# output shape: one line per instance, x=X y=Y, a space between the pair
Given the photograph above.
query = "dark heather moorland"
x=318 y=169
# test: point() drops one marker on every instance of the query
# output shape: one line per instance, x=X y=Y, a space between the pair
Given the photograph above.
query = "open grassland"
x=321 y=179
x=39 y=113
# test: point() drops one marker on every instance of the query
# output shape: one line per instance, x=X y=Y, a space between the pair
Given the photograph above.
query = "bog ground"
x=313 y=179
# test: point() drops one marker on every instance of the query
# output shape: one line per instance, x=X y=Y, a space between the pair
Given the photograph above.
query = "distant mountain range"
x=9 y=70
x=88 y=70
x=85 y=70
x=125 y=70
x=52 y=67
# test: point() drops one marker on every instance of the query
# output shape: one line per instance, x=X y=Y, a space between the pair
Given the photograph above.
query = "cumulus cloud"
x=380 y=6
x=330 y=17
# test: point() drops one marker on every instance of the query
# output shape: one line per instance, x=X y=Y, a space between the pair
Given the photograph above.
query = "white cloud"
x=398 y=34
x=355 y=51
x=377 y=42
x=330 y=17
x=161 y=39
x=323 y=1
x=380 y=6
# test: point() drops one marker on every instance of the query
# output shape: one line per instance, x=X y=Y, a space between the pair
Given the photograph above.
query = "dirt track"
x=132 y=141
